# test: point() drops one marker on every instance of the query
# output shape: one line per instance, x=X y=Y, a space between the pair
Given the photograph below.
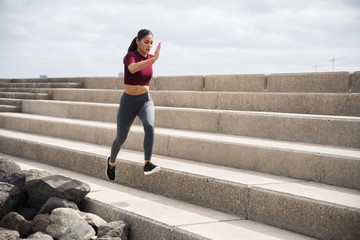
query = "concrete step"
x=21 y=95
x=9 y=108
x=331 y=82
x=27 y=90
x=318 y=129
x=153 y=216
x=11 y=101
x=343 y=104
x=312 y=209
x=326 y=164
x=42 y=85
x=42 y=80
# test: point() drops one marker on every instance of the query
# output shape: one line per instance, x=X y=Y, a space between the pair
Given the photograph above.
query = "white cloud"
x=90 y=38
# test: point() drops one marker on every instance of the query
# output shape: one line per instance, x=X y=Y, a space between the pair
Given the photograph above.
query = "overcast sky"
x=66 y=38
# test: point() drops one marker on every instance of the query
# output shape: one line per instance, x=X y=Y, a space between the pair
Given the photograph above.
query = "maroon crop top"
x=141 y=77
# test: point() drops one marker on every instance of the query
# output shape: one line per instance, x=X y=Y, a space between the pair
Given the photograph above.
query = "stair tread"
x=250 y=113
x=199 y=220
x=353 y=153
x=282 y=185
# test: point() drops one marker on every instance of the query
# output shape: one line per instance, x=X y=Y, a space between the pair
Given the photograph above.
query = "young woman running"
x=136 y=100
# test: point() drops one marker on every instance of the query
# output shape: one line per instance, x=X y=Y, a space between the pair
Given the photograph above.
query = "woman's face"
x=145 y=45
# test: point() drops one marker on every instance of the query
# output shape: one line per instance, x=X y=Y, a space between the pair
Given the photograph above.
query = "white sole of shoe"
x=155 y=170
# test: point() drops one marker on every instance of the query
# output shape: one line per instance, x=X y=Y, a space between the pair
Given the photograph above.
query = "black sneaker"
x=110 y=171
x=150 y=168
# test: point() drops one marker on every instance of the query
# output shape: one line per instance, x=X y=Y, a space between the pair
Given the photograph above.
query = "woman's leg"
x=147 y=117
x=125 y=118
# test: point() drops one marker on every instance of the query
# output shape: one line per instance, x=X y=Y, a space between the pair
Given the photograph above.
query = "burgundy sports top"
x=141 y=77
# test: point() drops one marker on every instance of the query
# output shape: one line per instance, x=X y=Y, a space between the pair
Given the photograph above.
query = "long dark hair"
x=141 y=34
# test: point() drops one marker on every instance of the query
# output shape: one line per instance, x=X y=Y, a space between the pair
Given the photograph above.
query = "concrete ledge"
x=141 y=228
x=355 y=82
x=20 y=95
x=321 y=221
x=309 y=82
x=9 y=108
x=306 y=103
x=42 y=85
x=183 y=83
x=88 y=95
x=42 y=80
x=104 y=82
x=28 y=90
x=236 y=83
x=11 y=101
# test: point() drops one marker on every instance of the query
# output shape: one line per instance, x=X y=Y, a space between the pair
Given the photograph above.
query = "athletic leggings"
x=130 y=107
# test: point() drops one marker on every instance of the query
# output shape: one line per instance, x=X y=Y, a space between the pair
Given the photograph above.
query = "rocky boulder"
x=15 y=221
x=116 y=229
x=41 y=189
x=17 y=179
x=11 y=197
x=61 y=219
x=40 y=223
x=78 y=230
x=93 y=220
x=55 y=202
x=9 y=234
x=8 y=167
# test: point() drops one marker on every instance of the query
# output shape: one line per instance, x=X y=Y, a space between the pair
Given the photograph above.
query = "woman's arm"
x=135 y=67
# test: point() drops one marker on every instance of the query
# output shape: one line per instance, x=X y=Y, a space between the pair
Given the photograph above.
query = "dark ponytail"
x=141 y=34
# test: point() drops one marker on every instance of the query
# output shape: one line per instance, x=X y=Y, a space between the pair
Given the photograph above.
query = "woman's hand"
x=157 y=51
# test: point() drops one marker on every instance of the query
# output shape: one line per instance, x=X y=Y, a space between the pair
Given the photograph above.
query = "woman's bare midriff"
x=136 y=89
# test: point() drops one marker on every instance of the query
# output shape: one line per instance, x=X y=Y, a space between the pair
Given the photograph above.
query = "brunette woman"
x=136 y=100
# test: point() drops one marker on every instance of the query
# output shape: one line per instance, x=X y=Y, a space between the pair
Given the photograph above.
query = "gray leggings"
x=130 y=107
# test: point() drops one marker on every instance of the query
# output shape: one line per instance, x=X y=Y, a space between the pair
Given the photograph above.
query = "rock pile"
x=38 y=205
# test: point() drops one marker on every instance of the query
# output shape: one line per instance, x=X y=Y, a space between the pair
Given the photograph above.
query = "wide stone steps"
x=318 y=129
x=172 y=219
x=278 y=149
x=254 y=196
x=303 y=161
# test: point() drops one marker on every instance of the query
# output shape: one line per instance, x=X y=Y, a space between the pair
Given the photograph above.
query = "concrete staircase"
x=14 y=91
x=242 y=156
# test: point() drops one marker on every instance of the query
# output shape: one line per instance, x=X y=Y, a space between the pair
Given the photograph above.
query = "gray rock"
x=40 y=236
x=8 y=167
x=17 y=179
x=15 y=221
x=41 y=189
x=9 y=234
x=61 y=219
x=93 y=220
x=34 y=174
x=78 y=230
x=11 y=197
x=40 y=223
x=114 y=229
x=55 y=202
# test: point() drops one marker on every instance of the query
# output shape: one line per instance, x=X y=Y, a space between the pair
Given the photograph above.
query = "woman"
x=136 y=100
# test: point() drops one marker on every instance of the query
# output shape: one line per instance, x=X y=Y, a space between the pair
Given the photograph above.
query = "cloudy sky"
x=66 y=38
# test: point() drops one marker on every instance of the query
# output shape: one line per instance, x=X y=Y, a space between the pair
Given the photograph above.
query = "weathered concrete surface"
x=236 y=83
x=309 y=82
